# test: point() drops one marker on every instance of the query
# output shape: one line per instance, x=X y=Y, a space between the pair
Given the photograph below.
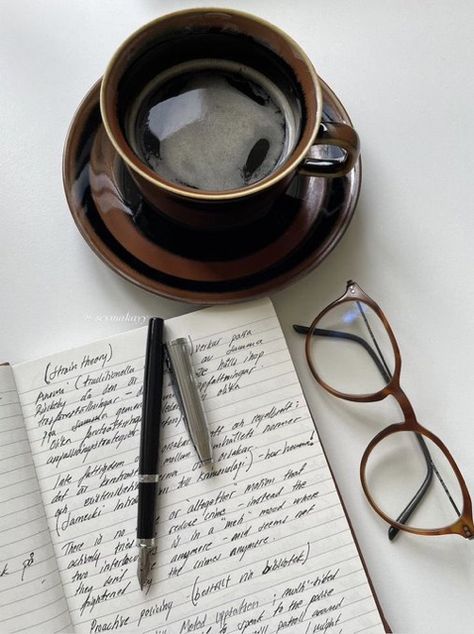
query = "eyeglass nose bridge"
x=394 y=389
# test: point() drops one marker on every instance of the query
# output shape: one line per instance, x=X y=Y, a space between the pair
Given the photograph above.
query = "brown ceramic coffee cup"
x=208 y=50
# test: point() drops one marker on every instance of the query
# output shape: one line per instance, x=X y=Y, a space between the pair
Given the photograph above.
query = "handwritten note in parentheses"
x=31 y=595
x=257 y=543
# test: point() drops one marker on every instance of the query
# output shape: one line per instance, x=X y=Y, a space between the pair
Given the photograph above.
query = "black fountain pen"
x=149 y=447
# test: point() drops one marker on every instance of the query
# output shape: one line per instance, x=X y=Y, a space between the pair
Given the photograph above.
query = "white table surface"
x=404 y=71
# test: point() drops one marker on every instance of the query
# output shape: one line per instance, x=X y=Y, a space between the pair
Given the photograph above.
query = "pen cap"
x=187 y=389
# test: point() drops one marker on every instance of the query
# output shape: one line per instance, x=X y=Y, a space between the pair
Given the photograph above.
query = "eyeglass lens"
x=353 y=353
x=394 y=471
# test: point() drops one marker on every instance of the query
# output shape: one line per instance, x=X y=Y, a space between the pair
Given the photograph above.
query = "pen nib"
x=144 y=561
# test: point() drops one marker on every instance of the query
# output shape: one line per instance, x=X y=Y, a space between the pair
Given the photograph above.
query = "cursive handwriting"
x=241 y=544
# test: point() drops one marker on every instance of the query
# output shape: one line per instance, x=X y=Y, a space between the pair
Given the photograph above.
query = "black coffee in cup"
x=213 y=113
x=213 y=125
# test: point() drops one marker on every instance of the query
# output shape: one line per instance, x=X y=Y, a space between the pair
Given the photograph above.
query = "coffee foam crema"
x=212 y=125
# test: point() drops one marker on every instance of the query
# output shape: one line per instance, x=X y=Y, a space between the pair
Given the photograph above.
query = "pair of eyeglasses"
x=353 y=354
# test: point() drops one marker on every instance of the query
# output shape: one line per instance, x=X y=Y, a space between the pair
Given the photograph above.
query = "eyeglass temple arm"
x=347 y=335
x=416 y=499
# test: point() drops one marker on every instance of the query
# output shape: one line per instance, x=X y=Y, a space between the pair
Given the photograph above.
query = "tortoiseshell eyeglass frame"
x=464 y=525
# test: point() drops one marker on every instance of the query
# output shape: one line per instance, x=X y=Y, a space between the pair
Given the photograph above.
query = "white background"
x=404 y=71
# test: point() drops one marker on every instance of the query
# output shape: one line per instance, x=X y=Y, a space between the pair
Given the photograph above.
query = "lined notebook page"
x=258 y=543
x=31 y=595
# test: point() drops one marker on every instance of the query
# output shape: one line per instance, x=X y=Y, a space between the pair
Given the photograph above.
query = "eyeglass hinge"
x=350 y=286
x=467 y=532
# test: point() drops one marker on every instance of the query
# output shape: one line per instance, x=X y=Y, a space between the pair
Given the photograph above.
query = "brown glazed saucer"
x=212 y=267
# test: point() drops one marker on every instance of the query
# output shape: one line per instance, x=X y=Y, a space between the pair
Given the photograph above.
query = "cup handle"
x=341 y=135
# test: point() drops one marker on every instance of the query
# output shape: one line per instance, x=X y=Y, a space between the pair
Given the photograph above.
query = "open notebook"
x=258 y=544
